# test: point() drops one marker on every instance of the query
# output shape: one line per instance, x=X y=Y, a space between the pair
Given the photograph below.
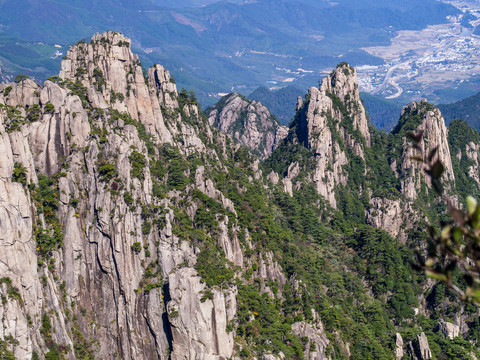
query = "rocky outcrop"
x=160 y=79
x=421 y=116
x=248 y=122
x=292 y=173
x=395 y=214
x=280 y=356
x=399 y=347
x=419 y=349
x=448 y=329
x=331 y=119
x=392 y=215
x=18 y=261
x=113 y=77
x=199 y=327
x=317 y=341
x=337 y=100
x=386 y=214
x=88 y=248
x=269 y=269
x=464 y=146
x=472 y=151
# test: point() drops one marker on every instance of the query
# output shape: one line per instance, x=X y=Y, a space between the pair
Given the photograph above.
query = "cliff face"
x=344 y=156
x=423 y=117
x=332 y=123
x=395 y=214
x=248 y=122
x=19 y=262
x=78 y=246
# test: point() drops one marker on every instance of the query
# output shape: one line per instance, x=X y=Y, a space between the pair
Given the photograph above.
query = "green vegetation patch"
x=46 y=198
x=138 y=162
x=19 y=174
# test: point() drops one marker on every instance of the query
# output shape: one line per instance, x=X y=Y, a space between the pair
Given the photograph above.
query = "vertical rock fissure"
x=157 y=80
x=154 y=336
x=61 y=154
x=117 y=272
x=118 y=280
x=167 y=328
x=47 y=157
x=112 y=247
x=214 y=331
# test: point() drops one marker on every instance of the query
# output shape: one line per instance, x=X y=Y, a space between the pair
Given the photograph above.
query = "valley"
x=439 y=62
x=433 y=62
x=241 y=45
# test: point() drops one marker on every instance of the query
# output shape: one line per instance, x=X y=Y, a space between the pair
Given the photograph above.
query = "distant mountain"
x=249 y=122
x=467 y=109
x=34 y=59
x=383 y=113
x=280 y=102
x=226 y=46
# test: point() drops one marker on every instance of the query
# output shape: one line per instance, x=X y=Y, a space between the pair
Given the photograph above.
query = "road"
x=391 y=79
x=388 y=80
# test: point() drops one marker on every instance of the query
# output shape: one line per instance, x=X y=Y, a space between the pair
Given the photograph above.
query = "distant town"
x=423 y=63
x=439 y=56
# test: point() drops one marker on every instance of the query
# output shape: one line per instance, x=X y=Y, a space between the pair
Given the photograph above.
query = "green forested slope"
x=467 y=109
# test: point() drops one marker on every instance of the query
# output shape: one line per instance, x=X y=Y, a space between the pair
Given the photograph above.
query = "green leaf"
x=475 y=294
x=436 y=276
x=471 y=205
x=457 y=235
x=437 y=169
x=446 y=232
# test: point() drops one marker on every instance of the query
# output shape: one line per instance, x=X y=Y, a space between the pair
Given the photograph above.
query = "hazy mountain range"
x=243 y=45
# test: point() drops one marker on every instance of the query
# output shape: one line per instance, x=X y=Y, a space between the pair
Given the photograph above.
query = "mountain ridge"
x=250 y=40
x=137 y=230
x=249 y=122
x=465 y=109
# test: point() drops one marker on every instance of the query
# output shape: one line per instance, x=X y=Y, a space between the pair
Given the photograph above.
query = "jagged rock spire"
x=114 y=78
x=330 y=120
x=422 y=116
x=343 y=83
